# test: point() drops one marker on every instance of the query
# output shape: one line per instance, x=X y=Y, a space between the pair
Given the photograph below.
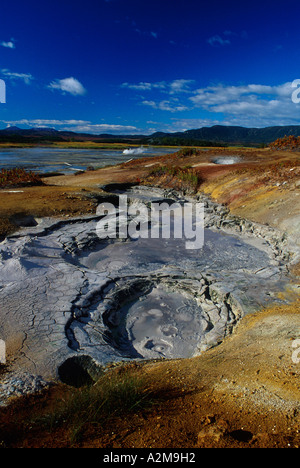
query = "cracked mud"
x=66 y=294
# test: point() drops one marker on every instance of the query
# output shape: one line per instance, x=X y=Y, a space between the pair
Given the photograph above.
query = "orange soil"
x=243 y=393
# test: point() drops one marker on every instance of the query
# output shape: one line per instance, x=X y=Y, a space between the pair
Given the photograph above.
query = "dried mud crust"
x=242 y=394
x=245 y=392
x=65 y=295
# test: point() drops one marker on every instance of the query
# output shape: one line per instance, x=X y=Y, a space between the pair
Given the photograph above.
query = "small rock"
x=213 y=433
x=20 y=385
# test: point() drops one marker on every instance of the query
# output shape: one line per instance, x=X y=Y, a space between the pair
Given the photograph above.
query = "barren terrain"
x=242 y=393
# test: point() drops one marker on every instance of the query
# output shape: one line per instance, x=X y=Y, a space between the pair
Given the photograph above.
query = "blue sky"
x=133 y=66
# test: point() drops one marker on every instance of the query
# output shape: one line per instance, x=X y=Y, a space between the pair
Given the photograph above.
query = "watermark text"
x=2 y=92
x=159 y=221
x=2 y=352
x=296 y=353
x=295 y=94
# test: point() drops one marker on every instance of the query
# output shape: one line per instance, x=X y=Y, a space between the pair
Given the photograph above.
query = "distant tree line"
x=178 y=141
x=29 y=139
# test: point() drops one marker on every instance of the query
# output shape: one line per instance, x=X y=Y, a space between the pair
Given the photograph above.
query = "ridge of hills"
x=217 y=135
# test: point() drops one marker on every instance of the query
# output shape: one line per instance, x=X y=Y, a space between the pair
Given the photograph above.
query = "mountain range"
x=217 y=135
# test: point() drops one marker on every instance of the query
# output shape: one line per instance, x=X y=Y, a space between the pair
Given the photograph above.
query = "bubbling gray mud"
x=66 y=295
x=227 y=160
x=171 y=323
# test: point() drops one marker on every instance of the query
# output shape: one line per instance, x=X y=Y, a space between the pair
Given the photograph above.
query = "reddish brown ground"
x=243 y=393
x=243 y=187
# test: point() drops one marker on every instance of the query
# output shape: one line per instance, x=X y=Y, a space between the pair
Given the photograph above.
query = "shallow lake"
x=67 y=160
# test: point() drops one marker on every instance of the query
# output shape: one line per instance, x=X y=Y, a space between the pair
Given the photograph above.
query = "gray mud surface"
x=72 y=303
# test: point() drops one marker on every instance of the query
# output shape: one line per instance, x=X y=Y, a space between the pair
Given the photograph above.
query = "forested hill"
x=217 y=135
x=228 y=135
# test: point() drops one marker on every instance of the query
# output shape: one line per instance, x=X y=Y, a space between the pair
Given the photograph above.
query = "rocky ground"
x=242 y=393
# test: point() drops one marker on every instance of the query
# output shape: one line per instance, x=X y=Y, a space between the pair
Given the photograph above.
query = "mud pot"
x=74 y=303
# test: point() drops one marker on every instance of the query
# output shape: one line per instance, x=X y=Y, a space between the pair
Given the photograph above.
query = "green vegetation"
x=18 y=177
x=187 y=152
x=186 y=176
x=113 y=395
x=215 y=136
x=180 y=141
x=93 y=145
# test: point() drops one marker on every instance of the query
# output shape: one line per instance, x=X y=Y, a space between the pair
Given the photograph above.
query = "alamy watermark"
x=296 y=353
x=2 y=352
x=157 y=221
x=2 y=92
x=295 y=94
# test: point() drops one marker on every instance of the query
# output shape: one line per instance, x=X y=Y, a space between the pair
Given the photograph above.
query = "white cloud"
x=26 y=77
x=104 y=128
x=150 y=104
x=180 y=86
x=9 y=45
x=244 y=98
x=139 y=86
x=171 y=87
x=223 y=40
x=68 y=85
x=81 y=126
x=44 y=122
x=252 y=104
x=165 y=105
x=242 y=120
x=181 y=125
x=144 y=86
x=218 y=41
